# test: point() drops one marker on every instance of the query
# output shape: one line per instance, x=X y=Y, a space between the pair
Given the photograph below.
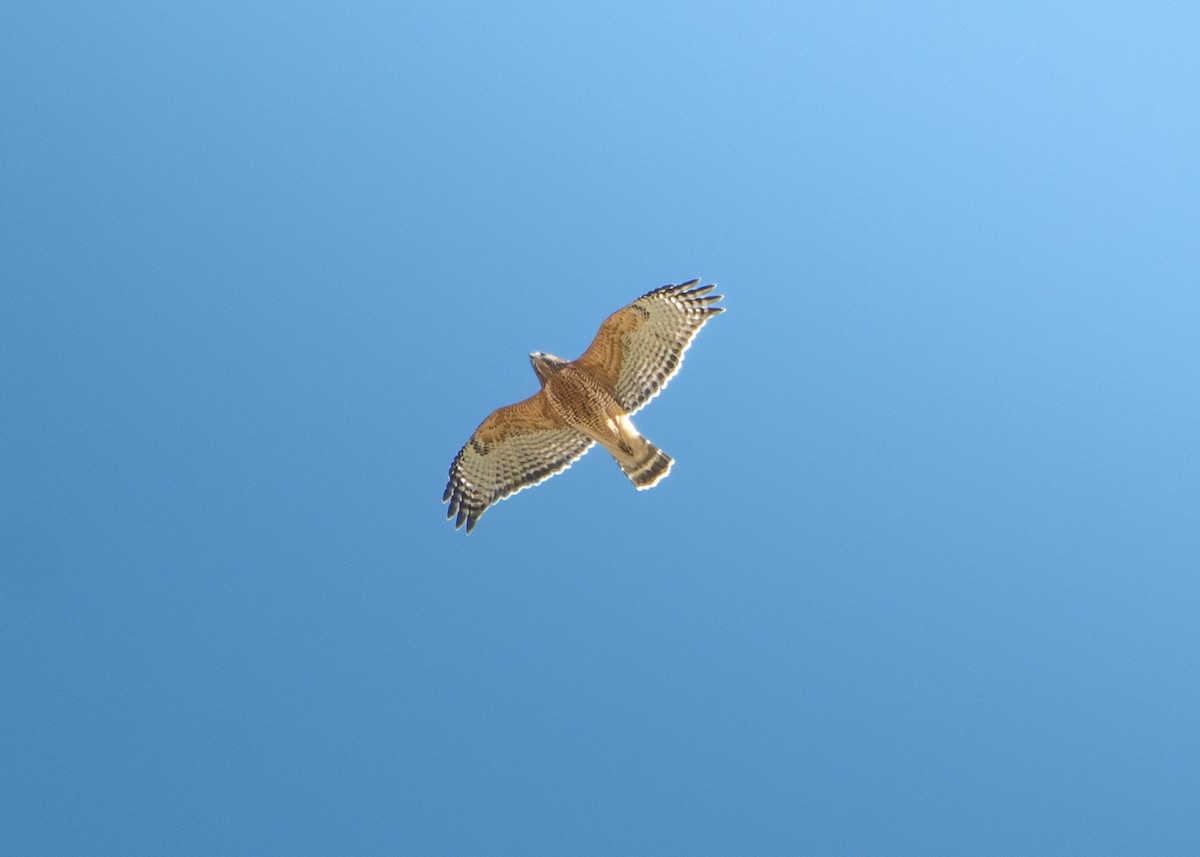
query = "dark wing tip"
x=684 y=291
x=701 y=298
x=458 y=510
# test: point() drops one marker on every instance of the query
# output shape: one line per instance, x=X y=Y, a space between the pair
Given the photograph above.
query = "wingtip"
x=461 y=515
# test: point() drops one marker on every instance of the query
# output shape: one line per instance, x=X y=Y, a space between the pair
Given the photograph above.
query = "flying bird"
x=584 y=401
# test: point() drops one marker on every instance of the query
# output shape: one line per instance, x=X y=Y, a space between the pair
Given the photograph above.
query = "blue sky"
x=923 y=578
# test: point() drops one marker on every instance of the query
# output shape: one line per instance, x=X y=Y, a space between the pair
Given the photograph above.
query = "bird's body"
x=576 y=398
x=585 y=401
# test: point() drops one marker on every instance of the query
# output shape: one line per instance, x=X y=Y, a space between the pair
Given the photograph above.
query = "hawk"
x=585 y=401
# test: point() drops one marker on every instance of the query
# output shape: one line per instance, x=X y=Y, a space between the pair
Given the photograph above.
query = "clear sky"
x=924 y=579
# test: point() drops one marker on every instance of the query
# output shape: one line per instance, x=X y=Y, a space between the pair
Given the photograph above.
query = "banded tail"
x=646 y=466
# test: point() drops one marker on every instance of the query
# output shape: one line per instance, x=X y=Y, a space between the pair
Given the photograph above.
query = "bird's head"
x=545 y=365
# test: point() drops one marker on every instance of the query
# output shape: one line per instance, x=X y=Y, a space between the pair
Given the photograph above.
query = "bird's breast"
x=581 y=401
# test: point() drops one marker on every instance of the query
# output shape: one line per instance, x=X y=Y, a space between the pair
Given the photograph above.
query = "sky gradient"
x=923 y=579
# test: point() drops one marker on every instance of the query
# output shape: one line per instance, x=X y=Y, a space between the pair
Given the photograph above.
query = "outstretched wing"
x=514 y=448
x=639 y=347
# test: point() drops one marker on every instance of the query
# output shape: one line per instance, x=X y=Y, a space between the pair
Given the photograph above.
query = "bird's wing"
x=640 y=347
x=517 y=446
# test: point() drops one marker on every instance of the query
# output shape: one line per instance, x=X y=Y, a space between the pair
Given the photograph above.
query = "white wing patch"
x=486 y=473
x=652 y=352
